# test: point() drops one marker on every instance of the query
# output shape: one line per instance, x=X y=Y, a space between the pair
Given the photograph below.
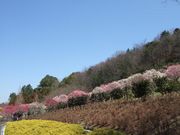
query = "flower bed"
x=42 y=127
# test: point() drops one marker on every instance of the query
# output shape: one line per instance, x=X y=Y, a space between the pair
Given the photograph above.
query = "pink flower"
x=10 y=109
x=61 y=99
x=77 y=93
x=173 y=71
x=51 y=102
x=23 y=107
x=110 y=87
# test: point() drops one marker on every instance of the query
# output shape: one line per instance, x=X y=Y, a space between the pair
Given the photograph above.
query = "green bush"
x=173 y=86
x=128 y=93
x=117 y=94
x=143 y=88
x=61 y=105
x=99 y=97
x=76 y=101
x=125 y=93
x=164 y=85
x=104 y=131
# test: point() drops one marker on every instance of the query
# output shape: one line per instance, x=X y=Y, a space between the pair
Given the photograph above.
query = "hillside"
x=158 y=115
x=144 y=103
x=162 y=51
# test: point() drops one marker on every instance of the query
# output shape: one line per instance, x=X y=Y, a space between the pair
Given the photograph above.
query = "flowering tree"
x=152 y=74
x=173 y=71
x=51 y=103
x=37 y=108
x=11 y=109
x=77 y=93
x=61 y=99
x=111 y=86
x=77 y=97
x=23 y=107
x=124 y=86
x=97 y=90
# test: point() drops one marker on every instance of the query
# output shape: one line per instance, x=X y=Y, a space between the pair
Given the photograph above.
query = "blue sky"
x=58 y=37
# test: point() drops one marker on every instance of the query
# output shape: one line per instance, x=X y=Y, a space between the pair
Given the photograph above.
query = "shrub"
x=104 y=131
x=51 y=104
x=117 y=94
x=42 y=127
x=114 y=87
x=75 y=101
x=151 y=74
x=23 y=108
x=173 y=71
x=99 y=97
x=164 y=85
x=128 y=93
x=61 y=99
x=110 y=87
x=77 y=97
x=97 y=90
x=142 y=88
x=173 y=86
x=125 y=93
x=36 y=108
x=77 y=93
x=11 y=109
x=61 y=105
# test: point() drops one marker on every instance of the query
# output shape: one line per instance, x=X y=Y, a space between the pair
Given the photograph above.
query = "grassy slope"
x=153 y=115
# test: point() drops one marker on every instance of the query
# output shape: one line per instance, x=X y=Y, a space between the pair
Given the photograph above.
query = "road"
x=1 y=129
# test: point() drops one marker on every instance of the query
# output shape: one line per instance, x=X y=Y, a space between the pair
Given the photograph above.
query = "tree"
x=49 y=81
x=27 y=93
x=12 y=98
x=47 y=84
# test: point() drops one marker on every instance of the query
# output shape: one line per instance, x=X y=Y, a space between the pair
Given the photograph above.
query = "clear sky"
x=58 y=37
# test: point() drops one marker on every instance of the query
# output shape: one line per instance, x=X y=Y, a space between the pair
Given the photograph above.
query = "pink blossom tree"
x=51 y=103
x=77 y=93
x=173 y=71
x=11 y=109
x=61 y=99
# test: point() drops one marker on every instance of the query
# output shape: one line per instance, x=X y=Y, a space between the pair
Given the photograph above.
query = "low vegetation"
x=151 y=115
x=42 y=127
x=104 y=131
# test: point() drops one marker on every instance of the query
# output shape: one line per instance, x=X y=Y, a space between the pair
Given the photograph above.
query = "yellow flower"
x=42 y=127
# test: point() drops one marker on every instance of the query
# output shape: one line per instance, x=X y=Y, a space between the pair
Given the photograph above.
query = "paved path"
x=2 y=127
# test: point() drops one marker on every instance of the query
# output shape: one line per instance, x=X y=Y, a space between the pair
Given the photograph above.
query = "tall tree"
x=49 y=81
x=47 y=84
x=12 y=98
x=27 y=93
